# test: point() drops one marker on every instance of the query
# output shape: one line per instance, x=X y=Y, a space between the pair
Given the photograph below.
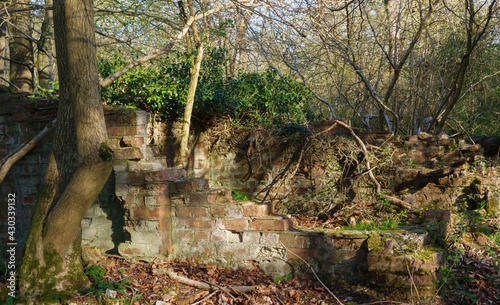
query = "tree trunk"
x=21 y=52
x=186 y=124
x=3 y=45
x=80 y=163
x=45 y=49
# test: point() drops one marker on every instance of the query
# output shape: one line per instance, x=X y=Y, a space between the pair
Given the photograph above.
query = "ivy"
x=162 y=86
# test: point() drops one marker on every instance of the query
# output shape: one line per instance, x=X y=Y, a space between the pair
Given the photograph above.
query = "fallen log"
x=398 y=202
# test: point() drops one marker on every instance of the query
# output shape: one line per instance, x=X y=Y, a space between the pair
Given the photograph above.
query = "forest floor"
x=470 y=276
x=146 y=284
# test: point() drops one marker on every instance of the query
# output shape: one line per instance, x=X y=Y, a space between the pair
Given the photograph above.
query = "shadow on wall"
x=103 y=225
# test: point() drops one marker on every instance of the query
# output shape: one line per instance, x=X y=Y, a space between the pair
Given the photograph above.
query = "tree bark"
x=80 y=163
x=186 y=124
x=3 y=45
x=45 y=48
x=21 y=52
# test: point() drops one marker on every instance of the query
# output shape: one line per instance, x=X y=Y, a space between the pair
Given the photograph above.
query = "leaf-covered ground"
x=145 y=286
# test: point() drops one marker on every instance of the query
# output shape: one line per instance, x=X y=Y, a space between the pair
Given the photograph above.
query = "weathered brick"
x=183 y=212
x=128 y=153
x=271 y=224
x=199 y=212
x=218 y=235
x=235 y=224
x=256 y=210
x=149 y=213
x=217 y=211
x=201 y=223
x=129 y=141
x=201 y=236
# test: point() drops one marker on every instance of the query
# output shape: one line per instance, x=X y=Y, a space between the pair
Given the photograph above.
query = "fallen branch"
x=10 y=160
x=399 y=202
x=197 y=284
x=378 y=188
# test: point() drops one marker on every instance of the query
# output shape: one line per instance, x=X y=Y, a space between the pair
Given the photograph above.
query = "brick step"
x=253 y=209
x=277 y=223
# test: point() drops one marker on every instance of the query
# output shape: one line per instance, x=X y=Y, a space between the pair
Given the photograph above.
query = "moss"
x=427 y=252
x=105 y=152
x=374 y=242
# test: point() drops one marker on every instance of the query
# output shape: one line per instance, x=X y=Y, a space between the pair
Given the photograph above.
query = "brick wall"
x=149 y=208
x=21 y=119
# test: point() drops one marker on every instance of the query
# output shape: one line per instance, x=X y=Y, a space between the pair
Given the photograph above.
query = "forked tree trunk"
x=79 y=166
x=21 y=52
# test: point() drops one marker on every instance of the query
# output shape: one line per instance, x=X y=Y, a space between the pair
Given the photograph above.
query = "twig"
x=133 y=295
x=378 y=188
x=198 y=284
x=220 y=287
x=205 y=298
x=315 y=275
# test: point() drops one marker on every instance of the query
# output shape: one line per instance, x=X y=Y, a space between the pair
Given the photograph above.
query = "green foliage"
x=237 y=195
x=96 y=274
x=11 y=300
x=285 y=278
x=162 y=88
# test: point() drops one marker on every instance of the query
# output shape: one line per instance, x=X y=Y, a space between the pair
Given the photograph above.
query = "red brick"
x=130 y=130
x=163 y=200
x=200 y=236
x=217 y=211
x=235 y=224
x=164 y=224
x=200 y=224
x=132 y=142
x=183 y=212
x=271 y=224
x=128 y=153
x=256 y=210
x=115 y=131
x=149 y=213
x=199 y=212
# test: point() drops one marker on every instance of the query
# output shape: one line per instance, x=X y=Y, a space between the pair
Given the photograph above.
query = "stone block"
x=267 y=238
x=251 y=237
x=234 y=237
